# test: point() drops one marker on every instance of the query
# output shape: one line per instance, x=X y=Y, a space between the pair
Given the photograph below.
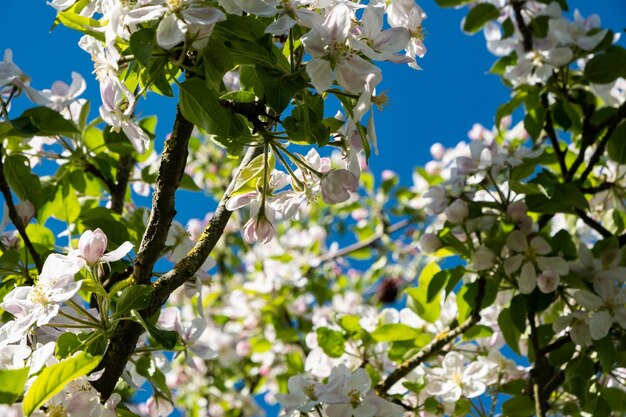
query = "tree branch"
x=527 y=34
x=549 y=128
x=190 y=264
x=436 y=344
x=118 y=192
x=15 y=218
x=171 y=169
x=124 y=340
x=595 y=158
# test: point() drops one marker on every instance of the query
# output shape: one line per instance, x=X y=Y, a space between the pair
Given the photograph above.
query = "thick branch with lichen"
x=124 y=340
x=436 y=345
x=173 y=161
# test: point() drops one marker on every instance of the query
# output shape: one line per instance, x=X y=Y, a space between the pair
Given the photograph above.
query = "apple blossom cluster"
x=341 y=41
x=544 y=52
x=43 y=312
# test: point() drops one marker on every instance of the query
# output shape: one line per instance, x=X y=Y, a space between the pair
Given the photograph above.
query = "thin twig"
x=365 y=243
x=436 y=345
x=16 y=219
x=595 y=158
x=549 y=128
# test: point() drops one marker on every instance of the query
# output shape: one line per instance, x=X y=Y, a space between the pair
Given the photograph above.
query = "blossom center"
x=39 y=295
x=355 y=398
x=56 y=411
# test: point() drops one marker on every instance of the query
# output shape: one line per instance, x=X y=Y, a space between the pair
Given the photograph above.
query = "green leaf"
x=479 y=15
x=418 y=297
x=441 y=279
x=43 y=121
x=617 y=143
x=331 y=341
x=82 y=24
x=41 y=237
x=133 y=297
x=278 y=87
x=66 y=343
x=606 y=68
x=564 y=198
x=606 y=353
x=200 y=105
x=148 y=368
x=518 y=313
x=534 y=120
x=615 y=397
x=142 y=43
x=350 y=323
x=21 y=180
x=165 y=338
x=478 y=331
x=12 y=384
x=453 y=3
x=395 y=332
x=54 y=378
x=519 y=406
x=509 y=331
x=59 y=201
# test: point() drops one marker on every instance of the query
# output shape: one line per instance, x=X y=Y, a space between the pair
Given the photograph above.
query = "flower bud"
x=258 y=229
x=483 y=258
x=429 y=243
x=387 y=175
x=26 y=211
x=517 y=211
x=457 y=212
x=92 y=245
x=337 y=185
x=548 y=281
x=437 y=150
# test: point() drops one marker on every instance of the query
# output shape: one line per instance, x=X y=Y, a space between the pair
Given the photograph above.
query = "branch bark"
x=118 y=192
x=436 y=345
x=15 y=218
x=124 y=340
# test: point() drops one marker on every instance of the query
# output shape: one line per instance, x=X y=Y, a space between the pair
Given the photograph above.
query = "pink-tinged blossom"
x=576 y=33
x=407 y=14
x=118 y=102
x=577 y=323
x=9 y=72
x=292 y=12
x=25 y=210
x=457 y=212
x=337 y=186
x=455 y=379
x=258 y=229
x=528 y=256
x=376 y=43
x=548 y=281
x=483 y=258
x=60 y=95
x=92 y=247
x=328 y=45
x=607 y=303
